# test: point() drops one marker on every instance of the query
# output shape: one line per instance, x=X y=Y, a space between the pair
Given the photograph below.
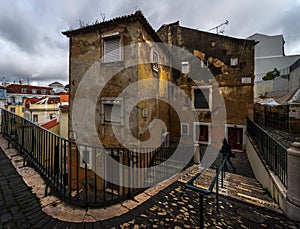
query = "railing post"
x=293 y=195
x=201 y=220
x=217 y=191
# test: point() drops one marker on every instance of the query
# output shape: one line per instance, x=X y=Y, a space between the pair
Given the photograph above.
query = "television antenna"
x=220 y=28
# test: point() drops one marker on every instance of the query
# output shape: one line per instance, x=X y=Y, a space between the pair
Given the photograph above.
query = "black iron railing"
x=80 y=173
x=273 y=153
x=202 y=191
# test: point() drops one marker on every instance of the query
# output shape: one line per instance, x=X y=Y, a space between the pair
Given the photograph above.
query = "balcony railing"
x=273 y=153
x=78 y=173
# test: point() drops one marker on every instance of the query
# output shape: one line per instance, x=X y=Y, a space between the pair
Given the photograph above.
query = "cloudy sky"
x=32 y=46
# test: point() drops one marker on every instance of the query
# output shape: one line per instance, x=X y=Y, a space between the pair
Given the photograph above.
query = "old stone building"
x=231 y=63
x=126 y=54
x=108 y=58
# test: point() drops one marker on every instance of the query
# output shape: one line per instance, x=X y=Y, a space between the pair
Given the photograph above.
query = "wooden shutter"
x=112 y=50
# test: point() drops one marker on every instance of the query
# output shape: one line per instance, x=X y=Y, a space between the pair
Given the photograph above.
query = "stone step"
x=235 y=186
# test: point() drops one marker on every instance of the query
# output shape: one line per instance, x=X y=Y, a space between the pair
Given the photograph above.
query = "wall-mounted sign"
x=246 y=79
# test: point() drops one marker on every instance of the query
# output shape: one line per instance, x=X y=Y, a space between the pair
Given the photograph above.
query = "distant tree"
x=271 y=75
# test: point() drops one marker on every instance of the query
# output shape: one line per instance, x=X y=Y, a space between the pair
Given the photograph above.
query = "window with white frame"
x=24 y=90
x=86 y=154
x=112 y=111
x=34 y=91
x=35 y=118
x=185 y=129
x=202 y=132
x=234 y=61
x=185 y=67
x=43 y=91
x=202 y=97
x=112 y=51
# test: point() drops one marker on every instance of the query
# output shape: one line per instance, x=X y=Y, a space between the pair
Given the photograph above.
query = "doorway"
x=235 y=136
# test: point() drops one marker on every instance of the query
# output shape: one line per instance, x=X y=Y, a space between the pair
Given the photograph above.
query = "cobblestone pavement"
x=173 y=207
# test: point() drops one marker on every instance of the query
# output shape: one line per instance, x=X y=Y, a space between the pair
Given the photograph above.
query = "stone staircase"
x=235 y=186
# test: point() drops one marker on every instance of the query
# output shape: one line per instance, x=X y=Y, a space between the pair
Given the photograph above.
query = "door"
x=235 y=137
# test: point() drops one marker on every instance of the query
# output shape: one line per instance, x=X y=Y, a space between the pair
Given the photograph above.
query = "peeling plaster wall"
x=216 y=52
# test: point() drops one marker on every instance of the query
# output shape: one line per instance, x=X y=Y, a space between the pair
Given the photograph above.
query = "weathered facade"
x=231 y=61
x=123 y=50
x=88 y=46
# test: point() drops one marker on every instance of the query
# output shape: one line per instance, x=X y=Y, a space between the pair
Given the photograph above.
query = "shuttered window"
x=112 y=49
x=112 y=111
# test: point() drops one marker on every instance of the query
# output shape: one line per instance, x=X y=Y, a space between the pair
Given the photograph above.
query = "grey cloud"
x=34 y=46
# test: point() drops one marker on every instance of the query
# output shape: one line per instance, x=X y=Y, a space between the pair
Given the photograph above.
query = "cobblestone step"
x=236 y=186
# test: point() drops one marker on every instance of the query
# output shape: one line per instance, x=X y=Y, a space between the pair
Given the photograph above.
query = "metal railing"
x=78 y=173
x=202 y=191
x=270 y=150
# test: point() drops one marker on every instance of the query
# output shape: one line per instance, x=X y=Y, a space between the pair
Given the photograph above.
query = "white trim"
x=110 y=35
x=187 y=126
x=209 y=98
x=209 y=132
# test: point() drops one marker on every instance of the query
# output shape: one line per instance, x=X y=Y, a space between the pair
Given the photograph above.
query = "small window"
x=23 y=109
x=234 y=61
x=202 y=132
x=112 y=111
x=202 y=97
x=43 y=91
x=185 y=129
x=112 y=49
x=34 y=91
x=155 y=61
x=24 y=90
x=185 y=67
x=35 y=118
x=51 y=116
x=13 y=109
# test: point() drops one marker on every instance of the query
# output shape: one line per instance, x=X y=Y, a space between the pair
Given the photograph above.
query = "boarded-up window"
x=112 y=49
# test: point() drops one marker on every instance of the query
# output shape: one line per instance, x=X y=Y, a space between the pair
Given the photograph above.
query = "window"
x=185 y=129
x=185 y=67
x=35 y=118
x=86 y=154
x=43 y=91
x=202 y=132
x=24 y=90
x=112 y=111
x=34 y=91
x=23 y=109
x=112 y=49
x=52 y=116
x=202 y=97
x=155 y=61
x=234 y=61
x=13 y=109
x=13 y=100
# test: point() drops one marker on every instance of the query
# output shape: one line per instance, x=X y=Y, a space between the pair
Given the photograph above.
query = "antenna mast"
x=220 y=28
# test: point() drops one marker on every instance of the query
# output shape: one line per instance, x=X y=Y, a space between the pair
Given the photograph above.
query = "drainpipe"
x=293 y=193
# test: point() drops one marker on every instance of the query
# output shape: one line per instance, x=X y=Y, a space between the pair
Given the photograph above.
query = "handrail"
x=208 y=191
x=67 y=167
x=202 y=191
